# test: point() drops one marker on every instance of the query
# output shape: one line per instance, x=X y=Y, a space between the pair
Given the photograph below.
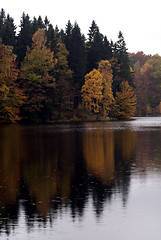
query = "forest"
x=49 y=74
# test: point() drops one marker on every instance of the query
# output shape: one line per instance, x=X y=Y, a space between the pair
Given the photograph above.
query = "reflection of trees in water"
x=54 y=171
x=148 y=155
x=10 y=153
x=125 y=146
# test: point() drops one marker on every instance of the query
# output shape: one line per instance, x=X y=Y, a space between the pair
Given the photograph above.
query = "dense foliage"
x=49 y=74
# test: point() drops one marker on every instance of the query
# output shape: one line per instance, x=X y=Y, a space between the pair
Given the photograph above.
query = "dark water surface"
x=91 y=181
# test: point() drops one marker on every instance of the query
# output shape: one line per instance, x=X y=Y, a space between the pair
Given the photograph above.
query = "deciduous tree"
x=11 y=97
x=92 y=91
x=36 y=78
x=125 y=101
x=104 y=67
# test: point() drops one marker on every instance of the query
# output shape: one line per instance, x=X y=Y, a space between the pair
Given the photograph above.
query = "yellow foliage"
x=11 y=97
x=97 y=91
x=92 y=91
x=145 y=68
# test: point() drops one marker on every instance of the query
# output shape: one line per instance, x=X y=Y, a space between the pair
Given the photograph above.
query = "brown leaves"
x=125 y=102
x=11 y=97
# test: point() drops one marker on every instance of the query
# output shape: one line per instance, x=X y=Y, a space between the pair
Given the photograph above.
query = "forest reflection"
x=44 y=170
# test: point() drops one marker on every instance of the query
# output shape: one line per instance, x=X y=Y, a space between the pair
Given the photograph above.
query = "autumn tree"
x=125 y=102
x=92 y=91
x=37 y=80
x=143 y=89
x=155 y=98
x=104 y=67
x=11 y=97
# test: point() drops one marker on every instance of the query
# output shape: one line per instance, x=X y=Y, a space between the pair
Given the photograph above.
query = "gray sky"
x=139 y=20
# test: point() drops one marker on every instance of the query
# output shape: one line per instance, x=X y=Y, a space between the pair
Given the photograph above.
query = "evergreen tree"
x=24 y=37
x=107 y=49
x=67 y=35
x=34 y=25
x=121 y=54
x=63 y=91
x=50 y=33
x=40 y=23
x=92 y=30
x=46 y=23
x=95 y=47
x=75 y=43
x=2 y=21
x=77 y=55
x=9 y=32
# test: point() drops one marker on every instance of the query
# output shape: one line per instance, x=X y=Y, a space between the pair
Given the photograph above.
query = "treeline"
x=50 y=74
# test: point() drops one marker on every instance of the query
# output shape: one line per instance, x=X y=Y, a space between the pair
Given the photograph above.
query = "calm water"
x=81 y=181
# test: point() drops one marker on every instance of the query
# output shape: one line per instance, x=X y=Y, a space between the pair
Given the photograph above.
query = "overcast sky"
x=139 y=20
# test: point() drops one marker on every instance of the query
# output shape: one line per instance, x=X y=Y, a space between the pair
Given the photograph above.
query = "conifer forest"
x=49 y=74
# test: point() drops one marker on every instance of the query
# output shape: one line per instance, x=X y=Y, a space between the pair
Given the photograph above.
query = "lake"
x=95 y=180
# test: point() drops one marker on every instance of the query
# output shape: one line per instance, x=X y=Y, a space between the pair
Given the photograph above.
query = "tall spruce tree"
x=9 y=32
x=95 y=47
x=50 y=33
x=107 y=49
x=24 y=37
x=75 y=43
x=77 y=55
x=2 y=20
x=121 y=54
x=67 y=36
